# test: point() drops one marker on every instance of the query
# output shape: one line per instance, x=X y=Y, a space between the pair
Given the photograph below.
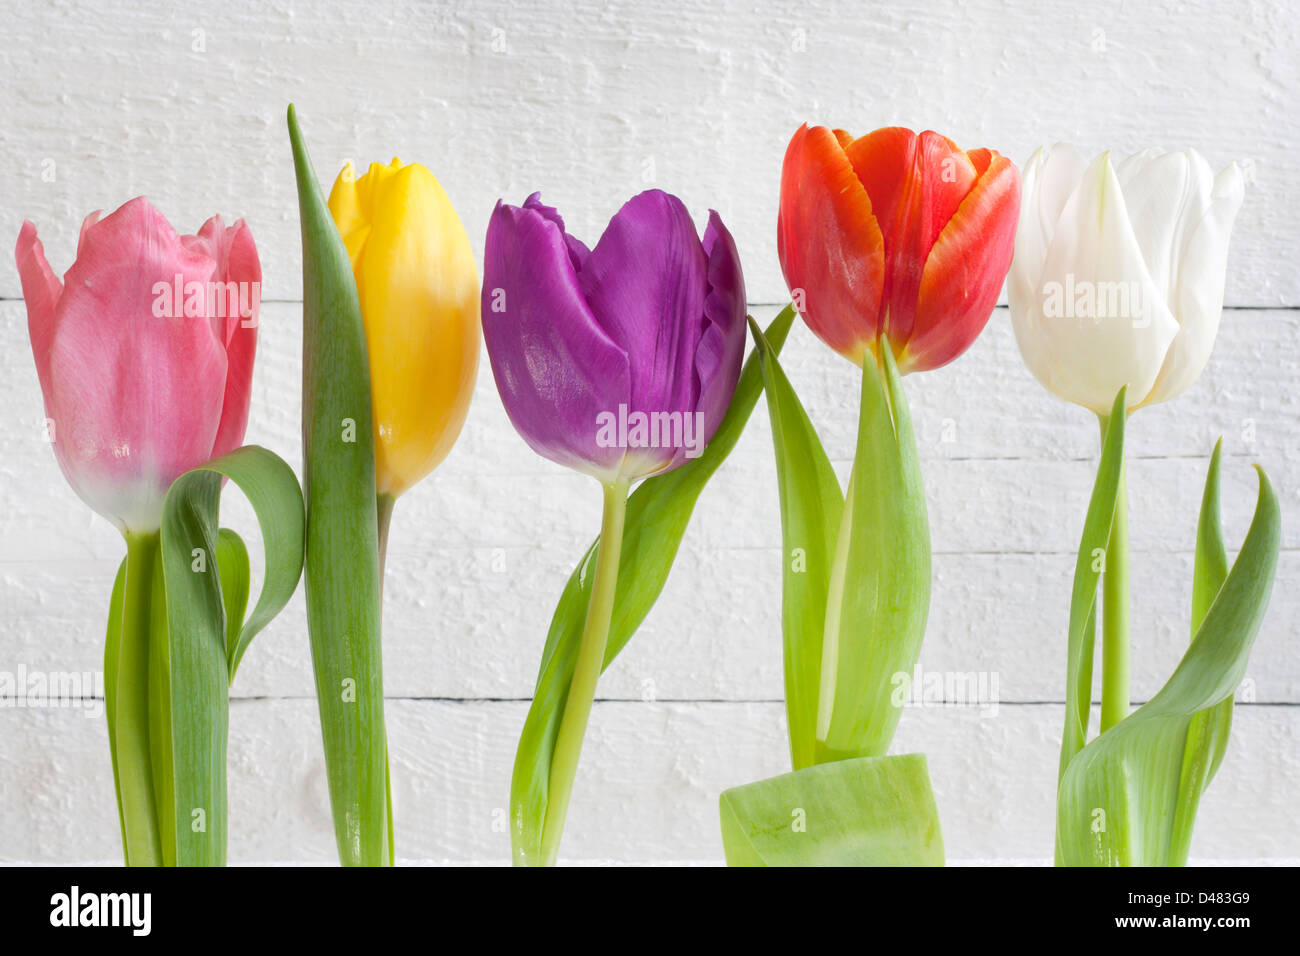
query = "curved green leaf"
x=1123 y=799
x=236 y=581
x=657 y=515
x=811 y=508
x=866 y=811
x=196 y=677
x=342 y=572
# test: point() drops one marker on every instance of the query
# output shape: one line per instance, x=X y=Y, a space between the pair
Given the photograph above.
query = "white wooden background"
x=591 y=102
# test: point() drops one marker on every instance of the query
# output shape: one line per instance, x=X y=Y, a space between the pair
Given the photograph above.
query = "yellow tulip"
x=419 y=292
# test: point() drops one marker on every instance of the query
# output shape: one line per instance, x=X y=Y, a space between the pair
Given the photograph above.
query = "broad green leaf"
x=1208 y=731
x=866 y=811
x=811 y=507
x=194 y=683
x=1123 y=799
x=1087 y=573
x=879 y=594
x=342 y=556
x=657 y=515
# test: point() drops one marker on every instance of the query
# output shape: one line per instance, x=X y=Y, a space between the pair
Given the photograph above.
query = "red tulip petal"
x=829 y=242
x=966 y=267
x=916 y=183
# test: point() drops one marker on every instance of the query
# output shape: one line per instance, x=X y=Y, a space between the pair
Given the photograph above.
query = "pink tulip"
x=144 y=352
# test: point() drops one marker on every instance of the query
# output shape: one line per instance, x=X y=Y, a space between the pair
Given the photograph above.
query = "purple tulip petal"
x=722 y=345
x=645 y=282
x=557 y=370
x=578 y=252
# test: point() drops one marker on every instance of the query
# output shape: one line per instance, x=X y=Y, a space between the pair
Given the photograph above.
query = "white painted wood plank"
x=646 y=790
x=593 y=101
x=481 y=549
x=1015 y=478
x=456 y=629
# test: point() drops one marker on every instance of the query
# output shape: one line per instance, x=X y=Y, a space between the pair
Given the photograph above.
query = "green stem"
x=130 y=709
x=1115 y=612
x=384 y=510
x=591 y=658
x=384 y=507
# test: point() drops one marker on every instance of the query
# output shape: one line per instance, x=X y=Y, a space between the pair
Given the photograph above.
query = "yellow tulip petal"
x=419 y=293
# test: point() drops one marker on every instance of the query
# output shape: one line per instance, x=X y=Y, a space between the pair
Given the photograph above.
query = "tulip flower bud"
x=144 y=353
x=418 y=287
x=618 y=361
x=1119 y=270
x=895 y=234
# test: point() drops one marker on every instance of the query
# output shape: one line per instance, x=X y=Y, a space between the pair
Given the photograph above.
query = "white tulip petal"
x=1198 y=298
x=1097 y=321
x=1166 y=194
x=1048 y=180
x=1050 y=177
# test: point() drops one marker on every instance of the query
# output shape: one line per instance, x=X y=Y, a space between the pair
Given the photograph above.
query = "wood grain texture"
x=591 y=102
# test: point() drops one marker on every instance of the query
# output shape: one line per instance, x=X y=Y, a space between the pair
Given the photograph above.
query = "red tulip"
x=895 y=234
x=144 y=353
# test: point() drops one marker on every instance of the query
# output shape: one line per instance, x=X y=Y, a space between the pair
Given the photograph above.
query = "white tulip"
x=1118 y=272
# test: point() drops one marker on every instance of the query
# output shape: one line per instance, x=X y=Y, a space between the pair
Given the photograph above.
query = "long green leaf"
x=197 y=675
x=1087 y=573
x=811 y=507
x=880 y=585
x=1123 y=798
x=1208 y=731
x=868 y=811
x=112 y=645
x=342 y=561
x=657 y=515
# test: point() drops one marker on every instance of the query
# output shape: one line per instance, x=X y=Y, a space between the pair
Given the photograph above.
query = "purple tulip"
x=618 y=361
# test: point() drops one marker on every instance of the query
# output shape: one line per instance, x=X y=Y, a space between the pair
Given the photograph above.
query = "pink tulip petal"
x=136 y=395
x=41 y=289
x=240 y=272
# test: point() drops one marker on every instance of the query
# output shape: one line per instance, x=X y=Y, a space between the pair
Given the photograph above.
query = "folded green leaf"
x=657 y=515
x=342 y=556
x=879 y=595
x=866 y=811
x=1126 y=799
x=197 y=668
x=236 y=580
x=811 y=508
